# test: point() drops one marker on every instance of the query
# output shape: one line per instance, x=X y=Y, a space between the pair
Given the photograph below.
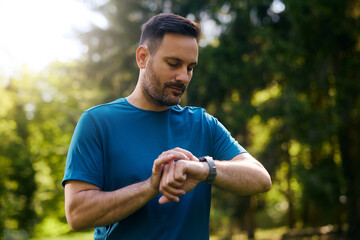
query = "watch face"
x=202 y=159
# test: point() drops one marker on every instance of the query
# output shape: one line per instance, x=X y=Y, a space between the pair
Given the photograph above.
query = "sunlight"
x=38 y=32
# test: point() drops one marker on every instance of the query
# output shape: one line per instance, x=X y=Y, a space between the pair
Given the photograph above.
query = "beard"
x=157 y=92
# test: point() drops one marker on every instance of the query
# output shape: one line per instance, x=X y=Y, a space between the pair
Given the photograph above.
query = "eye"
x=172 y=64
x=191 y=67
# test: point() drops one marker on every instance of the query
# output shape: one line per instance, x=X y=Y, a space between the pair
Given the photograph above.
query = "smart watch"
x=212 y=173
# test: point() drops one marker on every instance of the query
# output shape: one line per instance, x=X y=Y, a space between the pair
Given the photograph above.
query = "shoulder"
x=119 y=103
x=196 y=114
x=106 y=110
x=188 y=110
x=100 y=113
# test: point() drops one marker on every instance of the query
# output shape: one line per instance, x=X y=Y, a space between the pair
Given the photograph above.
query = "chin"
x=171 y=102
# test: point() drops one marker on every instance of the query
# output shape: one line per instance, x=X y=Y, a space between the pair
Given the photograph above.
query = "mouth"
x=176 y=91
x=180 y=90
x=177 y=88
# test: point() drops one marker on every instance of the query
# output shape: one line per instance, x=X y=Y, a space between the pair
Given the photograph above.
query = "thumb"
x=163 y=200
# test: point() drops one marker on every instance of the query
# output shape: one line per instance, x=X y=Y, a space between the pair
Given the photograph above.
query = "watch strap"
x=212 y=168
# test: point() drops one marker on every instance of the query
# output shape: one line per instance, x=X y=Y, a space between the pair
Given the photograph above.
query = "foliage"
x=264 y=54
x=110 y=60
x=38 y=116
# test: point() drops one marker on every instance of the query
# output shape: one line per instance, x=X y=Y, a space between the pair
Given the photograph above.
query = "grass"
x=270 y=234
x=261 y=234
x=70 y=236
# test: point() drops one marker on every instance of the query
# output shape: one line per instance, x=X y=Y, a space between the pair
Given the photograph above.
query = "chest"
x=130 y=147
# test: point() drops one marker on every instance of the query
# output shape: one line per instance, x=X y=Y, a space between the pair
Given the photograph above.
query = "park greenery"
x=283 y=77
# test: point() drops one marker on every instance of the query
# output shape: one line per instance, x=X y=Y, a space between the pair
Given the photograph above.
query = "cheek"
x=165 y=74
x=190 y=74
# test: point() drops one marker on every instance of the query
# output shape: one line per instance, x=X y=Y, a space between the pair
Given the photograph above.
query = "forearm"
x=243 y=176
x=93 y=207
x=87 y=206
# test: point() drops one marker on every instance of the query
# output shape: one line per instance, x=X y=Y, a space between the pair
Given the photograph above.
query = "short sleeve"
x=225 y=147
x=85 y=159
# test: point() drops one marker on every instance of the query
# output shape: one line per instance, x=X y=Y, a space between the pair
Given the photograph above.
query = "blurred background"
x=283 y=76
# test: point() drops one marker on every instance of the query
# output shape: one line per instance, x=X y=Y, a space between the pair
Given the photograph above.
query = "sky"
x=38 y=32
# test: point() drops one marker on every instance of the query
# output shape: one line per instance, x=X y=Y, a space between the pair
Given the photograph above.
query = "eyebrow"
x=179 y=60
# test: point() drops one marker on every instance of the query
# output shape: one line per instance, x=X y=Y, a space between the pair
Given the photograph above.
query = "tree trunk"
x=349 y=147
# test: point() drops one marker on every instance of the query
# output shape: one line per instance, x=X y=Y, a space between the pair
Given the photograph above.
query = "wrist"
x=153 y=190
x=210 y=178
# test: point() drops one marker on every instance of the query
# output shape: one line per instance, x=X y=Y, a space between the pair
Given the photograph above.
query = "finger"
x=169 y=173
x=178 y=154
x=170 y=180
x=163 y=200
x=171 y=193
x=179 y=173
x=169 y=157
x=168 y=186
x=171 y=198
x=160 y=161
x=158 y=169
x=186 y=153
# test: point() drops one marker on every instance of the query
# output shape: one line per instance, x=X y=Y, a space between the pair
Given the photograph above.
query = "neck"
x=139 y=100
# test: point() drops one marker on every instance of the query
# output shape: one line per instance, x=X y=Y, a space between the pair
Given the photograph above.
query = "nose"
x=183 y=75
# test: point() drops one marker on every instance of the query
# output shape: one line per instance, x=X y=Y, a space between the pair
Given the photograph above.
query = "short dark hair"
x=155 y=28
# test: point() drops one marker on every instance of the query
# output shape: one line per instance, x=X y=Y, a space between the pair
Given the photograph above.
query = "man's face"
x=168 y=72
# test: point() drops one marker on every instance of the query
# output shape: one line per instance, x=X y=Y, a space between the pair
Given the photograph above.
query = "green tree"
x=110 y=61
x=39 y=112
x=317 y=50
x=17 y=177
x=309 y=56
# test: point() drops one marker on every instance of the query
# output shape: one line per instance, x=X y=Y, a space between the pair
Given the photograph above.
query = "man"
x=136 y=167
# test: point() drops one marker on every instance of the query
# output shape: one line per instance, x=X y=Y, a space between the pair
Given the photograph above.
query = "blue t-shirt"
x=115 y=144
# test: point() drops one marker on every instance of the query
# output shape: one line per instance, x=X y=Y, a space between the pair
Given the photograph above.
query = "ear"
x=142 y=55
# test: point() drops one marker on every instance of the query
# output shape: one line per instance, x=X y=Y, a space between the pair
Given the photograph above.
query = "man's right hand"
x=163 y=162
x=165 y=158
